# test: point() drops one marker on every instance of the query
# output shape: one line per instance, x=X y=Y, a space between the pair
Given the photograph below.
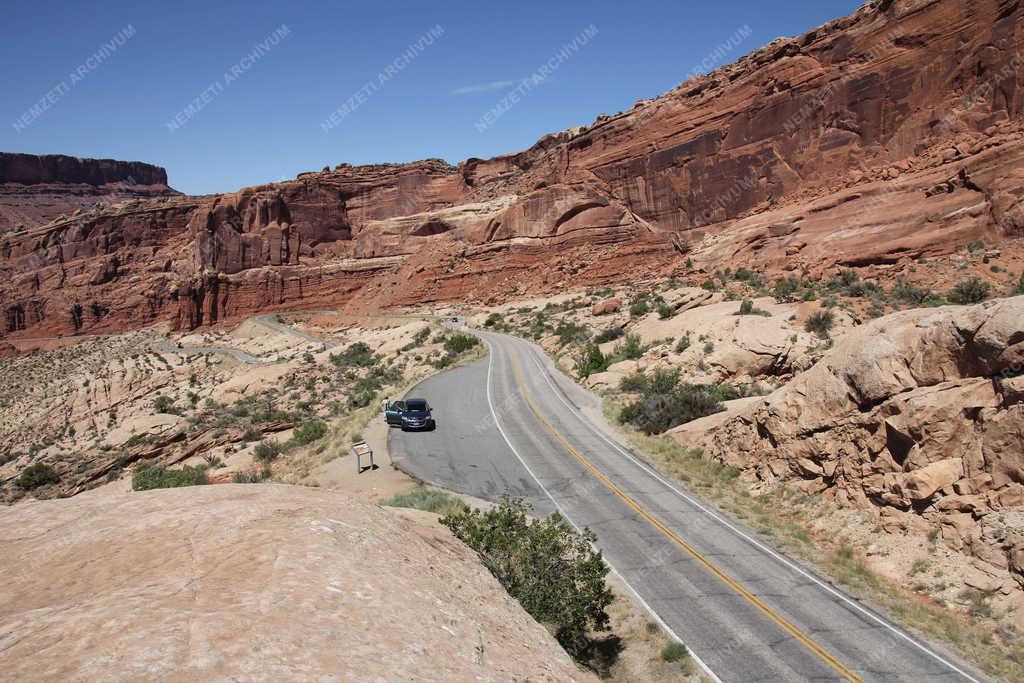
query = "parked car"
x=415 y=414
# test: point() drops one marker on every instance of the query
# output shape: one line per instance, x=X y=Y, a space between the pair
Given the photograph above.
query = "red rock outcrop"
x=38 y=189
x=917 y=414
x=889 y=134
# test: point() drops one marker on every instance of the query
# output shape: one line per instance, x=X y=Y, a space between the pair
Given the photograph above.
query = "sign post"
x=359 y=450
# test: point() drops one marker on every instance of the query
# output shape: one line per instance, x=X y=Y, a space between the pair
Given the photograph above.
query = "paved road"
x=188 y=350
x=512 y=422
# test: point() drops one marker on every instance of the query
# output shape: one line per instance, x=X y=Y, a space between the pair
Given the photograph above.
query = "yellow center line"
x=781 y=621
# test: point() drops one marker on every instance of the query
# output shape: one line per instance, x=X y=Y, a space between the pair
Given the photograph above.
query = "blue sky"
x=265 y=122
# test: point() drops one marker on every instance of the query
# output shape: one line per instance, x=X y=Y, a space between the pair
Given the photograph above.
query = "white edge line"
x=661 y=622
x=711 y=513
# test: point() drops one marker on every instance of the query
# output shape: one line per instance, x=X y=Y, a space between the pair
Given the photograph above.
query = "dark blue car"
x=412 y=414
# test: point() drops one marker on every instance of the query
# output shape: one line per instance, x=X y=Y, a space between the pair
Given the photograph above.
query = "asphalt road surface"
x=511 y=422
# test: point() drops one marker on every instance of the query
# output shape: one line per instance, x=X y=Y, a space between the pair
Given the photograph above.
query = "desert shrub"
x=431 y=500
x=493 y=320
x=820 y=322
x=674 y=652
x=639 y=306
x=36 y=475
x=665 y=403
x=164 y=404
x=569 y=332
x=309 y=432
x=747 y=307
x=608 y=334
x=590 y=360
x=1019 y=289
x=267 y=450
x=710 y=285
x=158 y=477
x=666 y=311
x=358 y=355
x=683 y=343
x=970 y=291
x=252 y=476
x=552 y=570
x=460 y=343
x=909 y=294
x=252 y=434
x=630 y=348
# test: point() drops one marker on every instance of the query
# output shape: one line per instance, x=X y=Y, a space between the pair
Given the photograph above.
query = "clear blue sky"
x=266 y=124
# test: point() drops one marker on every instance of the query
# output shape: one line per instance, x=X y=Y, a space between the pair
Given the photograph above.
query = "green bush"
x=570 y=332
x=970 y=291
x=909 y=294
x=639 y=307
x=608 y=334
x=1019 y=289
x=674 y=652
x=431 y=500
x=666 y=311
x=683 y=343
x=629 y=348
x=820 y=322
x=158 y=477
x=590 y=360
x=460 y=343
x=252 y=476
x=267 y=450
x=358 y=355
x=164 y=404
x=552 y=570
x=747 y=307
x=309 y=432
x=36 y=475
x=665 y=403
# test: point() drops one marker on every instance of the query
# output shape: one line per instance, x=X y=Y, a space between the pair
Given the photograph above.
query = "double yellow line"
x=781 y=621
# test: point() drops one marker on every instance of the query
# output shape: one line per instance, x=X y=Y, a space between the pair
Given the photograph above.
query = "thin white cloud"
x=483 y=87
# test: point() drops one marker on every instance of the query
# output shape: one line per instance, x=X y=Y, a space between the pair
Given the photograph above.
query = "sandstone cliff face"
x=38 y=189
x=890 y=134
x=919 y=412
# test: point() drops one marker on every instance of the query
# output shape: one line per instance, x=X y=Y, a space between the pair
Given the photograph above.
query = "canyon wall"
x=888 y=135
x=38 y=189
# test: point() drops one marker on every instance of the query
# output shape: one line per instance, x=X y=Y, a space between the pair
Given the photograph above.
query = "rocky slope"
x=38 y=189
x=918 y=415
x=887 y=135
x=254 y=582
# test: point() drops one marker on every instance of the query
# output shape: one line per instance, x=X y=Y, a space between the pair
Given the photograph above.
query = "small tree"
x=970 y=291
x=820 y=323
x=36 y=475
x=1019 y=289
x=551 y=569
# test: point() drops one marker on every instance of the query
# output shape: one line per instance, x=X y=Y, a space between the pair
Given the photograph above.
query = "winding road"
x=512 y=422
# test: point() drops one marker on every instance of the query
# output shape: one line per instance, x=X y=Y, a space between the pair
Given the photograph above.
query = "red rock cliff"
x=880 y=137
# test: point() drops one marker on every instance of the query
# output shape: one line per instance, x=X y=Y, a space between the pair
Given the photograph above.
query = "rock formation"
x=890 y=134
x=37 y=189
x=244 y=582
x=917 y=414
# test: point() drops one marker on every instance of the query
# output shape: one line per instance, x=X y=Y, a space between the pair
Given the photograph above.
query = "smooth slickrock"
x=254 y=582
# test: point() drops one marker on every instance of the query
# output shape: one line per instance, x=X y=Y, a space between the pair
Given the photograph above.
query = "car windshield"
x=416 y=405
